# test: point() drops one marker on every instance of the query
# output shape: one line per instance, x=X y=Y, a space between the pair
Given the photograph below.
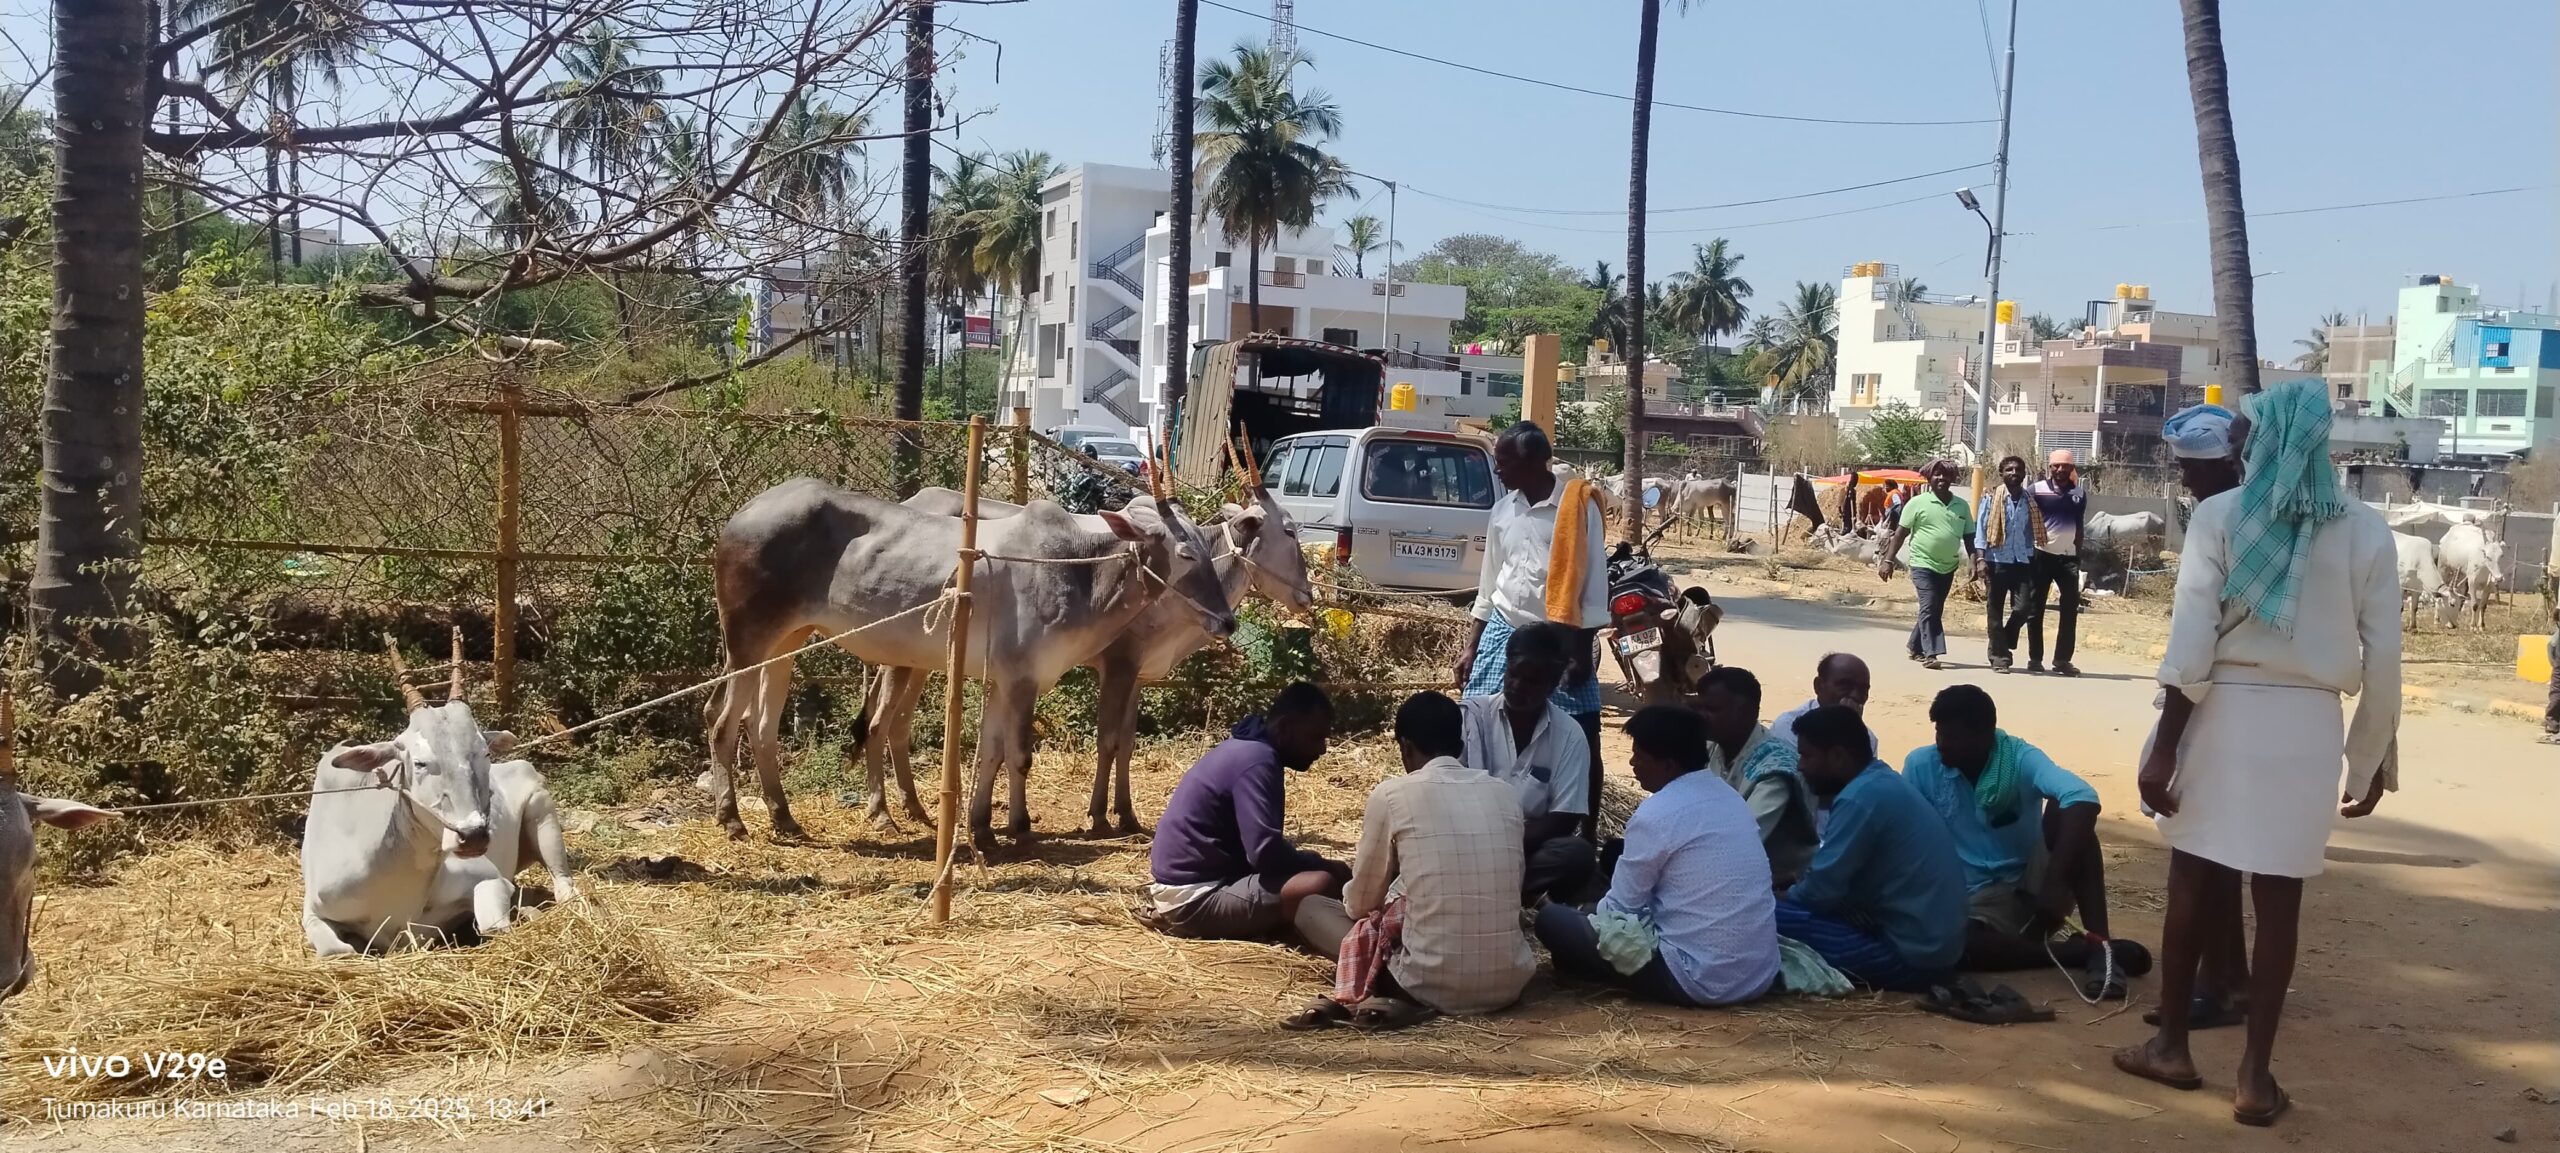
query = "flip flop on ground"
x=2262 y=1118
x=1319 y=1013
x=2137 y=1060
x=1966 y=1001
x=1387 y=1014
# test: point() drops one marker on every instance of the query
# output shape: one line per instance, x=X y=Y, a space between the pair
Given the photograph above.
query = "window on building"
x=2494 y=348
x=1049 y=285
x=2345 y=391
x=1071 y=304
x=1466 y=383
x=1346 y=337
x=1073 y=227
x=1221 y=260
x=1049 y=223
x=1283 y=265
x=2444 y=402
x=2501 y=402
x=2443 y=305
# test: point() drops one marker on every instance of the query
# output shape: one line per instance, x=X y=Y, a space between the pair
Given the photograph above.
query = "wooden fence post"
x=946 y=840
x=502 y=619
x=1022 y=455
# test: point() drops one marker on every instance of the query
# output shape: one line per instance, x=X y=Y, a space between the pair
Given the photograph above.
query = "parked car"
x=1405 y=507
x=1111 y=446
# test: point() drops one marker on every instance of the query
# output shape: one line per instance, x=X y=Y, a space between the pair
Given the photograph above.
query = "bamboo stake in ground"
x=946 y=843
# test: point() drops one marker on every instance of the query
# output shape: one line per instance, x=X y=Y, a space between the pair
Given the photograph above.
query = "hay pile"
x=578 y=978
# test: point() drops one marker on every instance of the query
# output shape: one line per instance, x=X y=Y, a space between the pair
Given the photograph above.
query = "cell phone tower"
x=1164 y=103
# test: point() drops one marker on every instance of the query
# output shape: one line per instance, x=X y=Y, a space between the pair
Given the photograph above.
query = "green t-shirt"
x=1938 y=531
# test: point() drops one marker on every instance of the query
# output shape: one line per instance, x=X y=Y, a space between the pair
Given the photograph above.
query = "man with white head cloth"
x=2288 y=598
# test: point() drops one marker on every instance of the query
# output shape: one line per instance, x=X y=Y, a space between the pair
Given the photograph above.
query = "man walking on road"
x=2008 y=527
x=1543 y=563
x=2063 y=505
x=1940 y=530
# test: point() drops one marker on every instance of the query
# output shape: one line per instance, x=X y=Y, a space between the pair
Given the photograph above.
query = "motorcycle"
x=1662 y=635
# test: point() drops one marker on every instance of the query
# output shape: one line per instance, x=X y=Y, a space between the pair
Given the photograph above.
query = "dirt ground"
x=1042 y=1017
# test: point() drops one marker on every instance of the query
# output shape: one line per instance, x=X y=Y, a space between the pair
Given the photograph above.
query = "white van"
x=1405 y=507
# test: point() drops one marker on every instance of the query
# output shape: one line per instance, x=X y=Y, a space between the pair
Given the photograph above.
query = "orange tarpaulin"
x=1873 y=475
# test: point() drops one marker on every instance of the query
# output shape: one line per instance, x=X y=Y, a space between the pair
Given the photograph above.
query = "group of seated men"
x=1973 y=857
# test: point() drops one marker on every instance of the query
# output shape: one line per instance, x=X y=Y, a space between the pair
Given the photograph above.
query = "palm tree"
x=1177 y=327
x=1609 y=320
x=1362 y=235
x=811 y=158
x=1808 y=337
x=511 y=216
x=2047 y=328
x=89 y=502
x=1007 y=227
x=1259 y=163
x=2315 y=351
x=1706 y=298
x=1910 y=290
x=2226 y=222
x=608 y=112
x=1639 y=156
x=271 y=45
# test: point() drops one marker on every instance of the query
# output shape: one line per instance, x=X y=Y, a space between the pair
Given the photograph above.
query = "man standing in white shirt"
x=1522 y=739
x=1521 y=557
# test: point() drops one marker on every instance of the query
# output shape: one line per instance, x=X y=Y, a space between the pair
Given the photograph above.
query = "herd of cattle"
x=421 y=835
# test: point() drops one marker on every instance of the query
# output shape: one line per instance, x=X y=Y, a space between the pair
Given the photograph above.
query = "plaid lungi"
x=1484 y=678
x=1365 y=950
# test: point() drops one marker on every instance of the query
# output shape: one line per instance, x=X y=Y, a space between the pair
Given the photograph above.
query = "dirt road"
x=2423 y=1014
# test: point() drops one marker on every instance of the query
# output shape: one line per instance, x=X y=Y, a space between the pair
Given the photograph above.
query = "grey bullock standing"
x=1255 y=550
x=20 y=813
x=428 y=835
x=808 y=558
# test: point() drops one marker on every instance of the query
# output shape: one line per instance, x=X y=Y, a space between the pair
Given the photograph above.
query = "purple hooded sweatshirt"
x=1223 y=822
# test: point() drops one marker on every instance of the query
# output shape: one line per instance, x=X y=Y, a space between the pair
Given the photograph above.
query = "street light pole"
x=1387 y=295
x=1997 y=222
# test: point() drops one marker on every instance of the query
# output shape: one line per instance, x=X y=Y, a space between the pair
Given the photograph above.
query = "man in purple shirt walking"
x=1222 y=867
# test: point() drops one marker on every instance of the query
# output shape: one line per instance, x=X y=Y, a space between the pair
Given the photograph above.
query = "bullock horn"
x=400 y=675
x=453 y=687
x=1252 y=468
x=1155 y=474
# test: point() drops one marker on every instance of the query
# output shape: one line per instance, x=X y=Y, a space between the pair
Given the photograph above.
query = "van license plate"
x=1424 y=550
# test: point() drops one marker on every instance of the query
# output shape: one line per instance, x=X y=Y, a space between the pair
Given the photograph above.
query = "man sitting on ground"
x=1222 y=867
x=1838 y=679
x=1688 y=872
x=1762 y=769
x=1447 y=838
x=1884 y=900
x=1522 y=739
x=2027 y=832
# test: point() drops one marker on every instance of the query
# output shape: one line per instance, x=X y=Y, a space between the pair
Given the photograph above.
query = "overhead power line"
x=1563 y=87
x=1711 y=207
x=2324 y=208
x=1684 y=231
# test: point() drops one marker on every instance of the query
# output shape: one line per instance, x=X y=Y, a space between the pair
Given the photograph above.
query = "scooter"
x=1662 y=635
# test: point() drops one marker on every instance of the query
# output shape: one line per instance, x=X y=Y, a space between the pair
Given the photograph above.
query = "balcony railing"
x=1401 y=358
x=1273 y=278
x=1199 y=278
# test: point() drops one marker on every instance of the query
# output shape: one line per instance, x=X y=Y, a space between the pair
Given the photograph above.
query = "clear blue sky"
x=2335 y=102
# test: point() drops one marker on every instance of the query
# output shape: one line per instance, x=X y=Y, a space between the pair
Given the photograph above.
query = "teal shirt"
x=1995 y=856
x=1938 y=531
x=1888 y=863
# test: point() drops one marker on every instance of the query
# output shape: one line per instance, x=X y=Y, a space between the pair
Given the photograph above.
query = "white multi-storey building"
x=1097 y=346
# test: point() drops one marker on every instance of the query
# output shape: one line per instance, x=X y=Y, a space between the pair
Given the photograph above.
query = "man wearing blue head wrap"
x=2288 y=598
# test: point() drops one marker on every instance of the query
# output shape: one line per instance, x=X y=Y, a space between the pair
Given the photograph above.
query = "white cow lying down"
x=434 y=854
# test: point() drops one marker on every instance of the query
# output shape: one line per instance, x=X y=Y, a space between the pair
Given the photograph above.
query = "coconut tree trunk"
x=89 y=527
x=2226 y=223
x=275 y=220
x=1640 y=145
x=1177 y=324
x=915 y=205
x=1253 y=287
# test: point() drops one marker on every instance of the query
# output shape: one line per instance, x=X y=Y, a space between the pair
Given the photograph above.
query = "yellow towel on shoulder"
x=1569 y=558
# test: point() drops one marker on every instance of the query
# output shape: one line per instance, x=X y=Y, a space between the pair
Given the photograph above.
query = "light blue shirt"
x=1888 y=864
x=2019 y=546
x=1694 y=867
x=1995 y=856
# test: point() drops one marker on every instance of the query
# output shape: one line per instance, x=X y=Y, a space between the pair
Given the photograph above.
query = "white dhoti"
x=2259 y=773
